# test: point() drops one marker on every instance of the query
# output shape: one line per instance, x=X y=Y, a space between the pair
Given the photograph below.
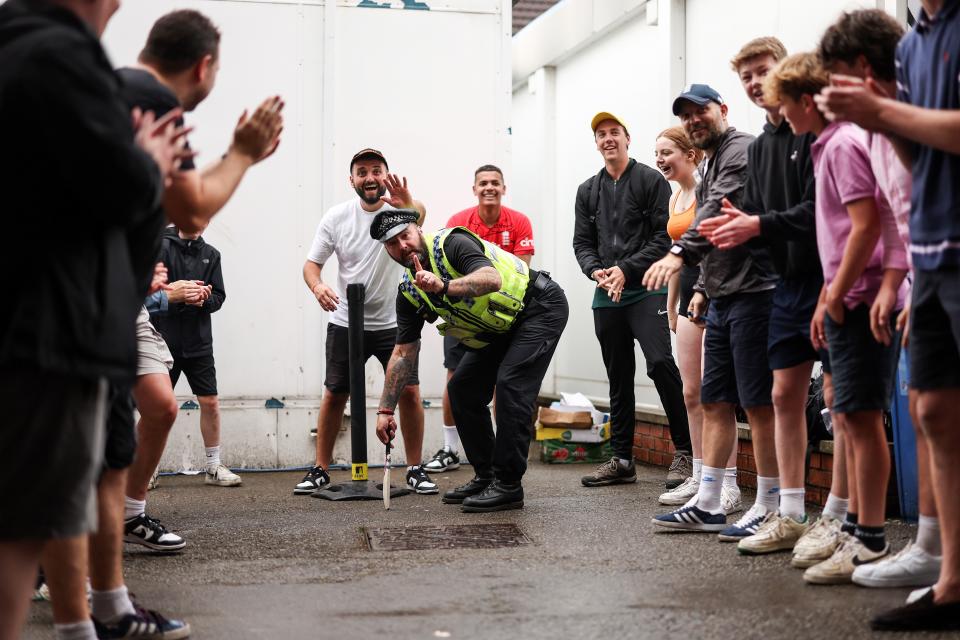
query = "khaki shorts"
x=153 y=356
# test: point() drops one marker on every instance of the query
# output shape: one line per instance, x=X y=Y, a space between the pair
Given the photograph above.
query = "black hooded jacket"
x=622 y=223
x=75 y=187
x=186 y=328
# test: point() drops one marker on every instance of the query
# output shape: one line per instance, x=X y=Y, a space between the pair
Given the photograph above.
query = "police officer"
x=510 y=317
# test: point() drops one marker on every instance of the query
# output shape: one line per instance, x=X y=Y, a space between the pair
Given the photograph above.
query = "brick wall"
x=652 y=445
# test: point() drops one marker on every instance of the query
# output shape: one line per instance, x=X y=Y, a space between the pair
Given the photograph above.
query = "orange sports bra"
x=680 y=221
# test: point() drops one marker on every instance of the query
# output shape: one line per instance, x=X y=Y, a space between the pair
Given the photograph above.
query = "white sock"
x=768 y=492
x=697 y=468
x=791 y=504
x=132 y=508
x=626 y=464
x=729 y=477
x=110 y=606
x=76 y=631
x=928 y=535
x=213 y=456
x=836 y=507
x=451 y=440
x=708 y=495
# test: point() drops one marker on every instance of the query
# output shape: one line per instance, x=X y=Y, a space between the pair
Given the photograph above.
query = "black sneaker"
x=498 y=496
x=472 y=488
x=419 y=481
x=610 y=472
x=148 y=532
x=143 y=623
x=315 y=479
x=443 y=460
x=921 y=615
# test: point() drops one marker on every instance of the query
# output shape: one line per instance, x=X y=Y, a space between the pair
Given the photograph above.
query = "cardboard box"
x=565 y=419
x=560 y=452
x=596 y=433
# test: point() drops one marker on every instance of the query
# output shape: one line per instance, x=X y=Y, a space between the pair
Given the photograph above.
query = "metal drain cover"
x=450 y=536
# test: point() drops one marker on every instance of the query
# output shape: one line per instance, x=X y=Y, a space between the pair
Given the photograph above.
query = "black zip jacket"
x=186 y=328
x=622 y=222
x=781 y=189
x=744 y=269
x=74 y=185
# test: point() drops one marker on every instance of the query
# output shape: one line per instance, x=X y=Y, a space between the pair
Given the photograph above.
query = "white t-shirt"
x=345 y=231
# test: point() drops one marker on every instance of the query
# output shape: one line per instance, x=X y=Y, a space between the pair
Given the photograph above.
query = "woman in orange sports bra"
x=677 y=159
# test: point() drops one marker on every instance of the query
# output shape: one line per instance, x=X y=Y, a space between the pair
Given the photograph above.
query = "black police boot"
x=498 y=496
x=472 y=488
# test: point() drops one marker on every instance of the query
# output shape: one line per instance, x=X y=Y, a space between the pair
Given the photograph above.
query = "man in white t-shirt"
x=345 y=231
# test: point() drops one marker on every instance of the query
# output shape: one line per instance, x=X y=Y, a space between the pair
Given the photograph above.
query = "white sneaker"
x=910 y=567
x=779 y=533
x=818 y=543
x=220 y=476
x=681 y=493
x=839 y=568
x=730 y=499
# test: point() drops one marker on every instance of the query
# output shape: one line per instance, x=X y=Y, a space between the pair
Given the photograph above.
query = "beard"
x=710 y=141
x=381 y=191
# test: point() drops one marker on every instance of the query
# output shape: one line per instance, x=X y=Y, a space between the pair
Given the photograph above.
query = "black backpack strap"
x=593 y=202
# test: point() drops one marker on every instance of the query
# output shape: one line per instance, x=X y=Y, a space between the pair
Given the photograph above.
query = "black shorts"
x=788 y=342
x=378 y=344
x=935 y=330
x=735 y=367
x=51 y=454
x=862 y=368
x=453 y=352
x=121 y=444
x=201 y=374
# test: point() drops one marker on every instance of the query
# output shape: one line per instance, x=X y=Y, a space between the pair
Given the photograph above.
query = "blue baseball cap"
x=698 y=94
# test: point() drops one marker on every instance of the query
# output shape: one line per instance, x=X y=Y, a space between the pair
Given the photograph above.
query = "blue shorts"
x=862 y=368
x=788 y=342
x=735 y=367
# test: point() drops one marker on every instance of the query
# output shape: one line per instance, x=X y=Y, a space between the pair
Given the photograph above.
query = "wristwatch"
x=446 y=285
x=677 y=250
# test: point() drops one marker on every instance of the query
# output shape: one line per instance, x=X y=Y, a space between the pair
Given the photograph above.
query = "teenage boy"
x=187 y=329
x=779 y=208
x=848 y=231
x=862 y=45
x=740 y=283
x=924 y=126
x=511 y=231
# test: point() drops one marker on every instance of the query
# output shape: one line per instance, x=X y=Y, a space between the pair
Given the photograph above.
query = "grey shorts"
x=153 y=356
x=51 y=454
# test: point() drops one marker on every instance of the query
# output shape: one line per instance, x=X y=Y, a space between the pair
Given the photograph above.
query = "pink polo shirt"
x=841 y=164
x=894 y=183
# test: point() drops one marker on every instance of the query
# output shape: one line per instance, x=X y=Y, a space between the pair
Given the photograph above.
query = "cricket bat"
x=386 y=479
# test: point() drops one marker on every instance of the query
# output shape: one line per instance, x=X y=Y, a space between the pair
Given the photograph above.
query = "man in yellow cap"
x=620 y=230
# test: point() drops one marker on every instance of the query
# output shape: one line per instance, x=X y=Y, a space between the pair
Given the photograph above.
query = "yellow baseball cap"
x=606 y=115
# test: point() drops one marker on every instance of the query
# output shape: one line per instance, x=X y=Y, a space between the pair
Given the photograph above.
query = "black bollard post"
x=360 y=488
x=356 y=293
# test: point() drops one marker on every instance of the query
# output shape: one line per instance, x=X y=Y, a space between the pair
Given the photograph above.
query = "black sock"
x=850 y=524
x=872 y=538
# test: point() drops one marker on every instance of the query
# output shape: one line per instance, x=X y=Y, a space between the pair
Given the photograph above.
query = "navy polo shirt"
x=928 y=76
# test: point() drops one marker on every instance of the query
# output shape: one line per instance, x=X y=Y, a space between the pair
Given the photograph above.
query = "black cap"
x=698 y=94
x=368 y=154
x=387 y=224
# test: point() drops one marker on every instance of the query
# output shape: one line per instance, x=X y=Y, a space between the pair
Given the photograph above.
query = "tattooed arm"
x=402 y=363
x=481 y=282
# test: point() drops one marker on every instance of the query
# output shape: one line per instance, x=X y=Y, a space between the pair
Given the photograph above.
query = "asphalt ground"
x=263 y=563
